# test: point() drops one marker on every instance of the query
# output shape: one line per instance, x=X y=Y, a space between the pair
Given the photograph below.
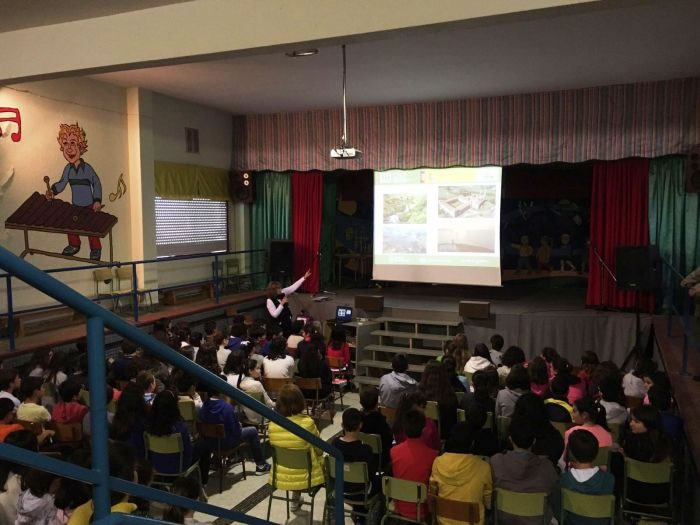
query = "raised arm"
x=294 y=287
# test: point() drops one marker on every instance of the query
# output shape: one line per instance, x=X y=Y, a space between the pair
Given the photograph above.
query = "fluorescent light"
x=302 y=53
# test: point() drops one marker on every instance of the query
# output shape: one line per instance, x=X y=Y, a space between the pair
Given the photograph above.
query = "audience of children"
x=415 y=400
x=394 y=384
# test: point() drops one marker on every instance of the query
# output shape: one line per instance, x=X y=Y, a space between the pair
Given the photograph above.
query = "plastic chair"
x=188 y=412
x=587 y=506
x=337 y=367
x=450 y=509
x=502 y=428
x=403 y=490
x=374 y=441
x=299 y=459
x=104 y=276
x=562 y=427
x=388 y=413
x=125 y=274
x=469 y=376
x=313 y=384
x=170 y=444
x=602 y=458
x=432 y=411
x=273 y=385
x=356 y=472
x=220 y=455
x=521 y=504
x=461 y=415
x=489 y=420
x=652 y=474
x=68 y=433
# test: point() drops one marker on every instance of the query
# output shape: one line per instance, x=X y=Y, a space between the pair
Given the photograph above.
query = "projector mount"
x=345 y=150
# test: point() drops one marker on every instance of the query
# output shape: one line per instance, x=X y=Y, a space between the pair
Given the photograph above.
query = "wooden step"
x=417 y=321
x=402 y=350
x=366 y=380
x=387 y=365
x=413 y=335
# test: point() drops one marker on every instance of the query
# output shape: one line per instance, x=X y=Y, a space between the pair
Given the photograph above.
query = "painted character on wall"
x=85 y=185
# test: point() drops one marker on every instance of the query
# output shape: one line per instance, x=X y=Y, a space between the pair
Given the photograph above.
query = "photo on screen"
x=405 y=239
x=401 y=208
x=464 y=202
x=465 y=240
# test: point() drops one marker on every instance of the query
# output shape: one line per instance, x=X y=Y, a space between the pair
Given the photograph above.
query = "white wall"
x=101 y=110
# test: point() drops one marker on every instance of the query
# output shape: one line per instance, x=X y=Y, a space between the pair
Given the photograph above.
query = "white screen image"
x=438 y=225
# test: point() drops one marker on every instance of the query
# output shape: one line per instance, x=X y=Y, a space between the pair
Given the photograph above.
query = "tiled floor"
x=236 y=490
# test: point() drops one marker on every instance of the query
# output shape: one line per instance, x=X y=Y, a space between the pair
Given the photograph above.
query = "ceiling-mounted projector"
x=345 y=153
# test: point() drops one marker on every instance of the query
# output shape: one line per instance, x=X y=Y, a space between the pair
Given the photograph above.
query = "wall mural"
x=81 y=217
x=16 y=119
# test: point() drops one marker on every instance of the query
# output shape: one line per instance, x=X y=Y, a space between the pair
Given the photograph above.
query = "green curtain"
x=269 y=215
x=328 y=229
x=189 y=181
x=673 y=221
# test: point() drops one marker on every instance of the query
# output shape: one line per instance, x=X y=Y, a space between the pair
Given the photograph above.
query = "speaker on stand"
x=242 y=187
x=280 y=260
x=638 y=269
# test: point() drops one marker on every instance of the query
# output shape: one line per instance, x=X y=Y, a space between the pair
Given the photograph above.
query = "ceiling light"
x=302 y=53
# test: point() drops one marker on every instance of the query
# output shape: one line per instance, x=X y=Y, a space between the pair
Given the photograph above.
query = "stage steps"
x=420 y=339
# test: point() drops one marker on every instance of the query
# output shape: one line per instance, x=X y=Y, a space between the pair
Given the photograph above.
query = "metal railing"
x=97 y=319
x=217 y=281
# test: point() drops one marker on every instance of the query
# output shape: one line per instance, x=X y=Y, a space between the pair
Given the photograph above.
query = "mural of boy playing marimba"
x=84 y=183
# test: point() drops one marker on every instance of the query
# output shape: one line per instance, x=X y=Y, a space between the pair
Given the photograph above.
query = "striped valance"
x=190 y=181
x=612 y=122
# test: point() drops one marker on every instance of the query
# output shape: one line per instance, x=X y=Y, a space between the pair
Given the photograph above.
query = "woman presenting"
x=279 y=314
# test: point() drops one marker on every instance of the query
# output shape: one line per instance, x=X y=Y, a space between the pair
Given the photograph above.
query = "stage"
x=531 y=314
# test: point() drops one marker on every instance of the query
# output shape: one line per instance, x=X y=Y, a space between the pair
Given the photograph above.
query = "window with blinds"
x=185 y=227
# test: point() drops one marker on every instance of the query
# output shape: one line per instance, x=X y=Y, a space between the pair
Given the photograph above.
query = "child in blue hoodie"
x=583 y=476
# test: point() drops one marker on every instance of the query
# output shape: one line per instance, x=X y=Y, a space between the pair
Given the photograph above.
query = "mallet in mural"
x=83 y=217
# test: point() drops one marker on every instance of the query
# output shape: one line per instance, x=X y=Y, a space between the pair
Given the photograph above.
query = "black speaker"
x=280 y=257
x=242 y=186
x=638 y=267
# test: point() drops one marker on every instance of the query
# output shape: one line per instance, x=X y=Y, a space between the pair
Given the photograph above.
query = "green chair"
x=521 y=504
x=170 y=444
x=461 y=416
x=602 y=458
x=615 y=431
x=502 y=428
x=489 y=420
x=469 y=375
x=433 y=412
x=403 y=490
x=217 y=433
x=652 y=474
x=299 y=459
x=188 y=413
x=460 y=397
x=355 y=472
x=587 y=506
x=375 y=443
x=562 y=427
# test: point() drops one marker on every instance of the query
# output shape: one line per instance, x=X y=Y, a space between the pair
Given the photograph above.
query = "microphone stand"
x=604 y=266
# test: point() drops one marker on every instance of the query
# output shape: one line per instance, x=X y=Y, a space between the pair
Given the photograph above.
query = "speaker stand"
x=636 y=351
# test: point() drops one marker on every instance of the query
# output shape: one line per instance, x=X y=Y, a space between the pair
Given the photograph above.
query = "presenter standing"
x=279 y=315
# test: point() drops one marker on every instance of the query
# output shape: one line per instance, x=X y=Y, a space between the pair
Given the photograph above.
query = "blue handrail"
x=97 y=319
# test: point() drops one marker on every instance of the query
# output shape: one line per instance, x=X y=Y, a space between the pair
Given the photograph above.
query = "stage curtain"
x=328 y=228
x=307 y=215
x=189 y=181
x=269 y=216
x=619 y=217
x=673 y=221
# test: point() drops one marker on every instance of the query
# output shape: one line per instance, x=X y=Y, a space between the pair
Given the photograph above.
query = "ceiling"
x=21 y=14
x=601 y=47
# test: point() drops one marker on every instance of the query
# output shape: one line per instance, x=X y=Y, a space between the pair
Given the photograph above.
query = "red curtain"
x=619 y=217
x=307 y=214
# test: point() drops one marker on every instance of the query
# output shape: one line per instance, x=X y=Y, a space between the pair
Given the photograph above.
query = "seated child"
x=69 y=409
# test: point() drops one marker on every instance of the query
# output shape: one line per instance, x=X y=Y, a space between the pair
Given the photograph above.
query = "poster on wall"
x=45 y=211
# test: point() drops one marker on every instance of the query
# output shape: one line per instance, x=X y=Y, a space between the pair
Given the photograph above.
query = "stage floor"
x=531 y=314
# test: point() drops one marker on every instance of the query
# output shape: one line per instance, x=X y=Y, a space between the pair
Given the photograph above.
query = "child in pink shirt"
x=69 y=410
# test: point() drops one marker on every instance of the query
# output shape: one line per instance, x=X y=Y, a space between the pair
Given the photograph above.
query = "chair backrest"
x=432 y=411
x=633 y=402
x=450 y=509
x=170 y=444
x=388 y=413
x=373 y=440
x=648 y=472
x=36 y=428
x=460 y=397
x=469 y=376
x=461 y=415
x=188 y=412
x=124 y=273
x=309 y=383
x=273 y=385
x=232 y=266
x=298 y=459
x=102 y=275
x=84 y=397
x=68 y=432
x=525 y=504
x=603 y=457
x=587 y=505
x=502 y=427
x=211 y=430
x=354 y=472
x=489 y=420
x=615 y=431
x=335 y=362
x=562 y=427
x=404 y=490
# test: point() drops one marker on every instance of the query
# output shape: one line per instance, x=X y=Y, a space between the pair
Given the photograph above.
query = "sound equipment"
x=474 y=309
x=242 y=187
x=280 y=259
x=369 y=303
x=692 y=170
x=638 y=267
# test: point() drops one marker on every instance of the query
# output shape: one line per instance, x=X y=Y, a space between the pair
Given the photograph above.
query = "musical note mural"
x=83 y=216
x=16 y=119
x=121 y=189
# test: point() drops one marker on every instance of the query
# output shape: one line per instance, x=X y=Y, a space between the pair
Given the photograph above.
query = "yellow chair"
x=170 y=444
x=104 y=276
x=521 y=504
x=188 y=413
x=432 y=411
x=587 y=506
x=125 y=273
x=650 y=474
x=403 y=490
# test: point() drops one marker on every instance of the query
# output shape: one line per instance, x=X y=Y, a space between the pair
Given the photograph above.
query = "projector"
x=345 y=153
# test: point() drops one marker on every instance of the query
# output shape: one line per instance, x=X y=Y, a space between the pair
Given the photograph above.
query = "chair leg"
x=221 y=475
x=269 y=503
x=286 y=500
x=340 y=392
x=311 y=514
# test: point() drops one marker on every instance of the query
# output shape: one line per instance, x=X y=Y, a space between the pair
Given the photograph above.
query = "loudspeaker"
x=474 y=309
x=692 y=170
x=280 y=258
x=369 y=303
x=242 y=187
x=638 y=267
